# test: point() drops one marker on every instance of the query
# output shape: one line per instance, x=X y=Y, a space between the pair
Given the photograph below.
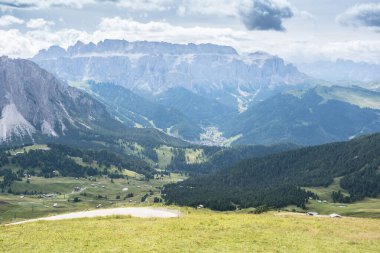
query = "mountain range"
x=344 y=72
x=150 y=68
x=155 y=89
x=37 y=107
x=315 y=116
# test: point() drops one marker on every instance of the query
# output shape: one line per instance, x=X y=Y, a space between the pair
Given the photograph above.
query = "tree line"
x=59 y=160
x=275 y=179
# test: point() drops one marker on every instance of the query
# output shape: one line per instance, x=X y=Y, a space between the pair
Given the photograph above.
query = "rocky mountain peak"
x=35 y=103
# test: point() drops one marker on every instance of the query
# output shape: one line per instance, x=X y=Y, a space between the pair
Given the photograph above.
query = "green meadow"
x=196 y=231
x=102 y=192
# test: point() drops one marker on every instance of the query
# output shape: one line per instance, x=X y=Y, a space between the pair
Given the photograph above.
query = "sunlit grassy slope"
x=196 y=231
x=368 y=207
x=324 y=193
x=28 y=148
x=353 y=95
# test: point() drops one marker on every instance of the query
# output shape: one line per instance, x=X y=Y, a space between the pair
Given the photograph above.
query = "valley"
x=160 y=144
x=35 y=191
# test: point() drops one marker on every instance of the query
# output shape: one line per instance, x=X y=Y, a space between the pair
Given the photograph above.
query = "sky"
x=296 y=30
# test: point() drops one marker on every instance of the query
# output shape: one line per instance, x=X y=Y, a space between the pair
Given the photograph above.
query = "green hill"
x=317 y=116
x=275 y=180
x=202 y=110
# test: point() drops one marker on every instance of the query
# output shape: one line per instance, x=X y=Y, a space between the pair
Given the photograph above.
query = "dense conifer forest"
x=58 y=160
x=274 y=180
x=223 y=157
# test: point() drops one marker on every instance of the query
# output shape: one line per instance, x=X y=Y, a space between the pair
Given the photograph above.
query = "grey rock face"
x=33 y=102
x=154 y=67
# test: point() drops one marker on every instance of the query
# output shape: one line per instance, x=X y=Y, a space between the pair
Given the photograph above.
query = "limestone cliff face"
x=154 y=67
x=34 y=102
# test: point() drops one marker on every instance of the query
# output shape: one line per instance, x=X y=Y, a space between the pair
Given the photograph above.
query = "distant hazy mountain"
x=151 y=68
x=319 y=115
x=342 y=71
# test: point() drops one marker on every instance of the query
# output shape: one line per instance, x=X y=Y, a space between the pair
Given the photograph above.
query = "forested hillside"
x=133 y=110
x=313 y=117
x=60 y=160
x=219 y=158
x=275 y=180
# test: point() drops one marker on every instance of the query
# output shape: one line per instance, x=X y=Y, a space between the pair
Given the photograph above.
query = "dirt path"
x=139 y=212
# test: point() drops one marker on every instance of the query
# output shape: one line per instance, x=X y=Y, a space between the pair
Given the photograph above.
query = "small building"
x=312 y=213
x=334 y=215
x=50 y=195
x=200 y=207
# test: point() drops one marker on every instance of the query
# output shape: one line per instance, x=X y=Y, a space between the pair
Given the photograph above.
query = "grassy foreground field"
x=368 y=207
x=195 y=231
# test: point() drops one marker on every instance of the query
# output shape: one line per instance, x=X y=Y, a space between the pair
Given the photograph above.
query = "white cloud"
x=8 y=20
x=39 y=23
x=22 y=44
x=361 y=15
x=265 y=15
x=163 y=31
x=41 y=4
x=27 y=44
x=146 y=5
x=131 y=5
x=304 y=14
x=210 y=7
x=357 y=50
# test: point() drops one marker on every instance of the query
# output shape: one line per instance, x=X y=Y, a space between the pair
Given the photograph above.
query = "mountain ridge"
x=310 y=117
x=37 y=107
x=151 y=68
